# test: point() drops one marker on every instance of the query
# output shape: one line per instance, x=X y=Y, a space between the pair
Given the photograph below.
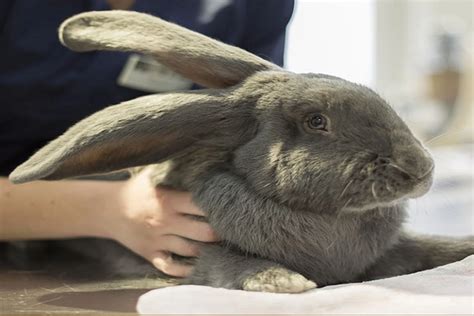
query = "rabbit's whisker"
x=347 y=203
x=373 y=192
x=398 y=168
x=330 y=246
x=345 y=188
x=435 y=138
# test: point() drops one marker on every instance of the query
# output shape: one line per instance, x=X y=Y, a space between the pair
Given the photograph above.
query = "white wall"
x=334 y=37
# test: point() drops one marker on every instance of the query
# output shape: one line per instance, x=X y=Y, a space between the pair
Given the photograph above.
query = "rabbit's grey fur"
x=288 y=201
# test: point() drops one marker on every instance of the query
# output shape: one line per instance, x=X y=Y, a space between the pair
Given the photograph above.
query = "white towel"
x=444 y=290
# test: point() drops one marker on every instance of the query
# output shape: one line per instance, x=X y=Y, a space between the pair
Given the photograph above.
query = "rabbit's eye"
x=318 y=122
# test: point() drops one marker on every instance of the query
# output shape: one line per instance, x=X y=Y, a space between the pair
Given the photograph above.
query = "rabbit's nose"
x=415 y=160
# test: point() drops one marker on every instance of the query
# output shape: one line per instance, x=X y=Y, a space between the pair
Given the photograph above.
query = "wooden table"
x=66 y=283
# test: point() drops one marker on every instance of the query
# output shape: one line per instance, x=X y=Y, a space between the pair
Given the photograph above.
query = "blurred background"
x=417 y=54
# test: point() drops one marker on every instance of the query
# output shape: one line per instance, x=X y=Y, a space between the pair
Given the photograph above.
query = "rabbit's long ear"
x=142 y=131
x=207 y=62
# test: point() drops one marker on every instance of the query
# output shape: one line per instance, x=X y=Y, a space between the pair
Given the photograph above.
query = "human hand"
x=152 y=222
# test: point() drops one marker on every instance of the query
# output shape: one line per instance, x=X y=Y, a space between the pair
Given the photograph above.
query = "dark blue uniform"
x=45 y=88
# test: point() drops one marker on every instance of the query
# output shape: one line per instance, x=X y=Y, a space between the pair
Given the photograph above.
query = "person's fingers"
x=180 y=246
x=179 y=201
x=195 y=230
x=165 y=263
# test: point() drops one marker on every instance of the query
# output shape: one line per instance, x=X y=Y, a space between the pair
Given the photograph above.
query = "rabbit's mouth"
x=382 y=184
x=423 y=185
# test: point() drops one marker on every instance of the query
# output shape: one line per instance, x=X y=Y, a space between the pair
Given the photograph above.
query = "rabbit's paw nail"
x=278 y=280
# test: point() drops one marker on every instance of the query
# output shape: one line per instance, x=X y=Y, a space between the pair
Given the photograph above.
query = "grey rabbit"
x=303 y=176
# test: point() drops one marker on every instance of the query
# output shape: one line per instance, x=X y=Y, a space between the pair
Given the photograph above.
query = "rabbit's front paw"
x=278 y=280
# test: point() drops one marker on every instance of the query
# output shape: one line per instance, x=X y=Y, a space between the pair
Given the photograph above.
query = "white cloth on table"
x=443 y=290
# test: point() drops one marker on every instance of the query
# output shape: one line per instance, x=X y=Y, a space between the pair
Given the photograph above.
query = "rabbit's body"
x=325 y=247
x=328 y=250
x=303 y=176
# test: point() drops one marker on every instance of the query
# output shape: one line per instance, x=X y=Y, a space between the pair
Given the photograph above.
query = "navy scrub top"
x=45 y=88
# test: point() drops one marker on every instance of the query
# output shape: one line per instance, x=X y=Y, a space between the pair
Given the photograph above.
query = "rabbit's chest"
x=340 y=250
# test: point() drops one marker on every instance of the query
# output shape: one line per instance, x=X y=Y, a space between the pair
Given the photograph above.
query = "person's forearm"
x=49 y=210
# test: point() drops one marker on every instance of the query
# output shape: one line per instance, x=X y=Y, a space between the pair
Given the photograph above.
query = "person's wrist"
x=107 y=212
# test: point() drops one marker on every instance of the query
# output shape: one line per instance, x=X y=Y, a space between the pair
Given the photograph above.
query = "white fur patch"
x=278 y=280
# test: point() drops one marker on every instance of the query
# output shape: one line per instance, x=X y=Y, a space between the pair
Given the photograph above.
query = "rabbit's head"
x=308 y=140
x=328 y=143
